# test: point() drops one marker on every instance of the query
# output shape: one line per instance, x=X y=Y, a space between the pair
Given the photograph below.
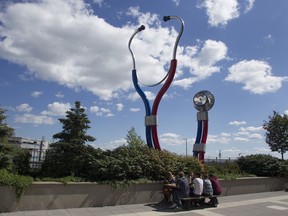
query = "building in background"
x=36 y=147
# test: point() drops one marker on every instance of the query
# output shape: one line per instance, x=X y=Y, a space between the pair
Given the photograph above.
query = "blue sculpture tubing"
x=147 y=107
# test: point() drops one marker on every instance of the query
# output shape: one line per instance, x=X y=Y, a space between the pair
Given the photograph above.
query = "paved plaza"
x=262 y=204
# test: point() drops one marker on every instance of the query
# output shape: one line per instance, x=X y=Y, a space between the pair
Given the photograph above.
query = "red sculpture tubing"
x=203 y=139
x=162 y=91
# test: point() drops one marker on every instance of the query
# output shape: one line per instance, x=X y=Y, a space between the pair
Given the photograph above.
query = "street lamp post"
x=186 y=145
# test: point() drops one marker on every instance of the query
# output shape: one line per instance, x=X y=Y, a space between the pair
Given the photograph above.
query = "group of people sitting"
x=181 y=187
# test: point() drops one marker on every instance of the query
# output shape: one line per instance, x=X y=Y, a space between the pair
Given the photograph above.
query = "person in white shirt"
x=197 y=187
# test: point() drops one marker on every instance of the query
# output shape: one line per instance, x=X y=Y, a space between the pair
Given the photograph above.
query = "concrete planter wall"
x=76 y=195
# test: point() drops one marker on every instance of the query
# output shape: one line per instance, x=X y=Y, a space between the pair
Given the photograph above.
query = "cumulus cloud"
x=56 y=109
x=59 y=95
x=119 y=106
x=36 y=94
x=256 y=76
x=237 y=123
x=201 y=61
x=91 y=61
x=249 y=5
x=24 y=108
x=251 y=129
x=100 y=111
x=34 y=119
x=220 y=12
x=134 y=109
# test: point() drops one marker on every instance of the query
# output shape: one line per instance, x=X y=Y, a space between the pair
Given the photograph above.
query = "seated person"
x=197 y=185
x=217 y=190
x=181 y=190
x=207 y=186
x=167 y=190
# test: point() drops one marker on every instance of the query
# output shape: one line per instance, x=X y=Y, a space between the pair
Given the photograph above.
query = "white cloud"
x=220 y=12
x=59 y=95
x=101 y=111
x=223 y=138
x=171 y=139
x=249 y=6
x=135 y=96
x=99 y=2
x=251 y=129
x=237 y=123
x=36 y=94
x=201 y=61
x=34 y=119
x=91 y=61
x=177 y=2
x=119 y=106
x=256 y=76
x=24 y=108
x=134 y=109
x=57 y=109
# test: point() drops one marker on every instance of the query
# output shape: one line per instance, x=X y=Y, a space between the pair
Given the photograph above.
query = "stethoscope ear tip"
x=142 y=27
x=166 y=18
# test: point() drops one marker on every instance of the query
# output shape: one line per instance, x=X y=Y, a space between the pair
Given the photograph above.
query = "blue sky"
x=55 y=52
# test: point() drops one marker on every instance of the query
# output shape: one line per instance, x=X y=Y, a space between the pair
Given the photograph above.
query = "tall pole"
x=186 y=145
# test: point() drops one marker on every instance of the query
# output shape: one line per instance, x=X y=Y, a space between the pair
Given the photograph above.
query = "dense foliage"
x=127 y=162
x=5 y=130
x=263 y=165
x=18 y=182
x=277 y=133
x=14 y=159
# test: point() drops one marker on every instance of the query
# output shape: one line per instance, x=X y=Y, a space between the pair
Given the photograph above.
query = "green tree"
x=133 y=139
x=68 y=156
x=75 y=126
x=14 y=159
x=277 y=133
x=5 y=130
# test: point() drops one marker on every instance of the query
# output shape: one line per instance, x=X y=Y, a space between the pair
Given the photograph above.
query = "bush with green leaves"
x=14 y=159
x=261 y=165
x=18 y=182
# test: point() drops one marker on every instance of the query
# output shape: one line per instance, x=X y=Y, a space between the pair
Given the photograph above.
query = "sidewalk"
x=264 y=204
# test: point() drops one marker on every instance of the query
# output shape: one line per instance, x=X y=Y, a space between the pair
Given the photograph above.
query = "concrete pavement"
x=264 y=204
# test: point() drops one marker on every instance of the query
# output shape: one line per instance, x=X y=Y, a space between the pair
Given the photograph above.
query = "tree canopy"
x=5 y=130
x=74 y=126
x=277 y=133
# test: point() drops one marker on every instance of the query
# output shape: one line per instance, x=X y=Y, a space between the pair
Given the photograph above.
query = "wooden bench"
x=188 y=200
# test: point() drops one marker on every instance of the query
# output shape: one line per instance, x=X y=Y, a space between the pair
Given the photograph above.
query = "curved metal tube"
x=166 y=18
x=141 y=28
x=138 y=89
x=168 y=82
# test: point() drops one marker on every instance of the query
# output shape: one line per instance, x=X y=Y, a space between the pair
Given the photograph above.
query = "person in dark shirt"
x=181 y=190
x=217 y=190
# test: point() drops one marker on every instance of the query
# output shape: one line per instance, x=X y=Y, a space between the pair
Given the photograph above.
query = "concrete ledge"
x=53 y=195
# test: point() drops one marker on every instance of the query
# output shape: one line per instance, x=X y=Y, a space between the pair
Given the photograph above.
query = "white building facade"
x=36 y=147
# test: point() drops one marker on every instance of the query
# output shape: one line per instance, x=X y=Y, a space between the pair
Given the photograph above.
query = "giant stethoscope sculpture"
x=151 y=115
x=203 y=102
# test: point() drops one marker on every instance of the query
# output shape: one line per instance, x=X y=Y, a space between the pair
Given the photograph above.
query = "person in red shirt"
x=217 y=190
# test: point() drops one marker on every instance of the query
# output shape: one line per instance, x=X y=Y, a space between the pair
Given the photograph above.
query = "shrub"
x=18 y=182
x=224 y=170
x=261 y=165
x=14 y=159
